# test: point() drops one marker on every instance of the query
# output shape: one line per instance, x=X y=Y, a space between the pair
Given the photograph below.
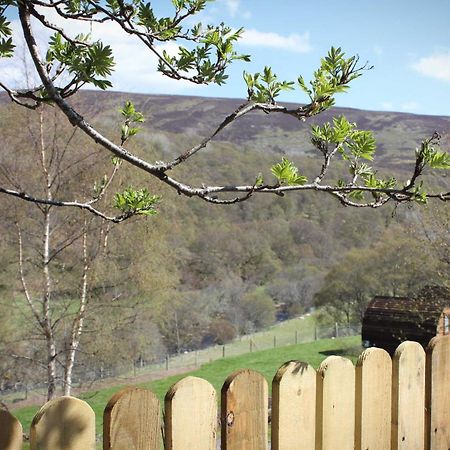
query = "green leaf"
x=136 y=202
x=286 y=173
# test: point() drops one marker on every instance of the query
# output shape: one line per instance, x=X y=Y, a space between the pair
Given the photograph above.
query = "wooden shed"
x=388 y=321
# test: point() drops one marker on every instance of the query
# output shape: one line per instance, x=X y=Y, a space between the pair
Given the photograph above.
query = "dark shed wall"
x=388 y=321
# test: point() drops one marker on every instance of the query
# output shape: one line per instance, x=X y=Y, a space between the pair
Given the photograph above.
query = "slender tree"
x=57 y=249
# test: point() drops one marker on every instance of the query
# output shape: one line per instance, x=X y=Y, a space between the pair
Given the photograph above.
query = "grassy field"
x=266 y=362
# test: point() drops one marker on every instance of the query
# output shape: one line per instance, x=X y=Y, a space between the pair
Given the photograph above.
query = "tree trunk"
x=78 y=321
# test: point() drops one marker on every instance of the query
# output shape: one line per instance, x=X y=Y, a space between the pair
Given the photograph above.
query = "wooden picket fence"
x=401 y=403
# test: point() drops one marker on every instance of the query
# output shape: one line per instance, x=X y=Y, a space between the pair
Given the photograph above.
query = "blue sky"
x=407 y=41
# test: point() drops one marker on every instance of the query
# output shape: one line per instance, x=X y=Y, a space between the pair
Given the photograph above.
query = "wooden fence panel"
x=132 y=421
x=65 y=423
x=438 y=394
x=408 y=397
x=191 y=415
x=294 y=407
x=335 y=427
x=244 y=411
x=373 y=400
x=10 y=432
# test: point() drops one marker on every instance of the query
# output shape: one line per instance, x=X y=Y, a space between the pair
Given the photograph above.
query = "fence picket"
x=408 y=397
x=244 y=411
x=65 y=423
x=191 y=415
x=335 y=427
x=383 y=404
x=10 y=432
x=132 y=421
x=438 y=394
x=294 y=407
x=373 y=400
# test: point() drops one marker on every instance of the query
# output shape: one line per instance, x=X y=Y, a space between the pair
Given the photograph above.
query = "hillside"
x=197 y=274
x=398 y=134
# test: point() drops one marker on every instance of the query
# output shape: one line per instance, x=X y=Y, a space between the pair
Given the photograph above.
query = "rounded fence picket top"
x=245 y=411
x=408 y=397
x=294 y=407
x=191 y=415
x=335 y=404
x=65 y=423
x=437 y=399
x=10 y=432
x=132 y=421
x=373 y=400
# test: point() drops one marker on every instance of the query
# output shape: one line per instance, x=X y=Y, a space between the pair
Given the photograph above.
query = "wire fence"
x=254 y=342
x=283 y=334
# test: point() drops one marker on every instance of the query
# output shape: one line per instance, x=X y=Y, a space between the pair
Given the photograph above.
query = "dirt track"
x=36 y=399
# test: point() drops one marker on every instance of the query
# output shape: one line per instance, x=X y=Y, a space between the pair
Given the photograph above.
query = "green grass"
x=266 y=362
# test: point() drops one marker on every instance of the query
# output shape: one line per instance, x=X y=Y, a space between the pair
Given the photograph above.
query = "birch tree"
x=56 y=249
x=69 y=63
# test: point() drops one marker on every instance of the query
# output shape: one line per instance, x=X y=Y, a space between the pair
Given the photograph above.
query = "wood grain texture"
x=335 y=426
x=438 y=394
x=408 y=397
x=191 y=415
x=132 y=421
x=10 y=432
x=294 y=407
x=65 y=423
x=244 y=411
x=373 y=400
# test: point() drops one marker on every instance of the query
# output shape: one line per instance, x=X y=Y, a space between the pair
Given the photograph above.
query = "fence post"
x=294 y=407
x=437 y=395
x=244 y=411
x=167 y=362
x=190 y=415
x=64 y=423
x=315 y=333
x=335 y=404
x=336 y=330
x=408 y=397
x=251 y=345
x=132 y=420
x=296 y=336
x=223 y=351
x=373 y=400
x=274 y=341
x=10 y=432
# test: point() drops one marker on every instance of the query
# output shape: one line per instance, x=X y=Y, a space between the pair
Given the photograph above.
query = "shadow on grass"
x=353 y=352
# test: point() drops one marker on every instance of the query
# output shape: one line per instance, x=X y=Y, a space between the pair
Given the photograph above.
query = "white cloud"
x=299 y=43
x=409 y=106
x=378 y=50
x=232 y=6
x=388 y=106
x=435 y=66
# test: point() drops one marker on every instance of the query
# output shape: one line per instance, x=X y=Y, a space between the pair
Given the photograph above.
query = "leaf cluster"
x=286 y=173
x=6 y=43
x=332 y=77
x=207 y=61
x=132 y=117
x=433 y=157
x=88 y=62
x=264 y=87
x=343 y=135
x=136 y=202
